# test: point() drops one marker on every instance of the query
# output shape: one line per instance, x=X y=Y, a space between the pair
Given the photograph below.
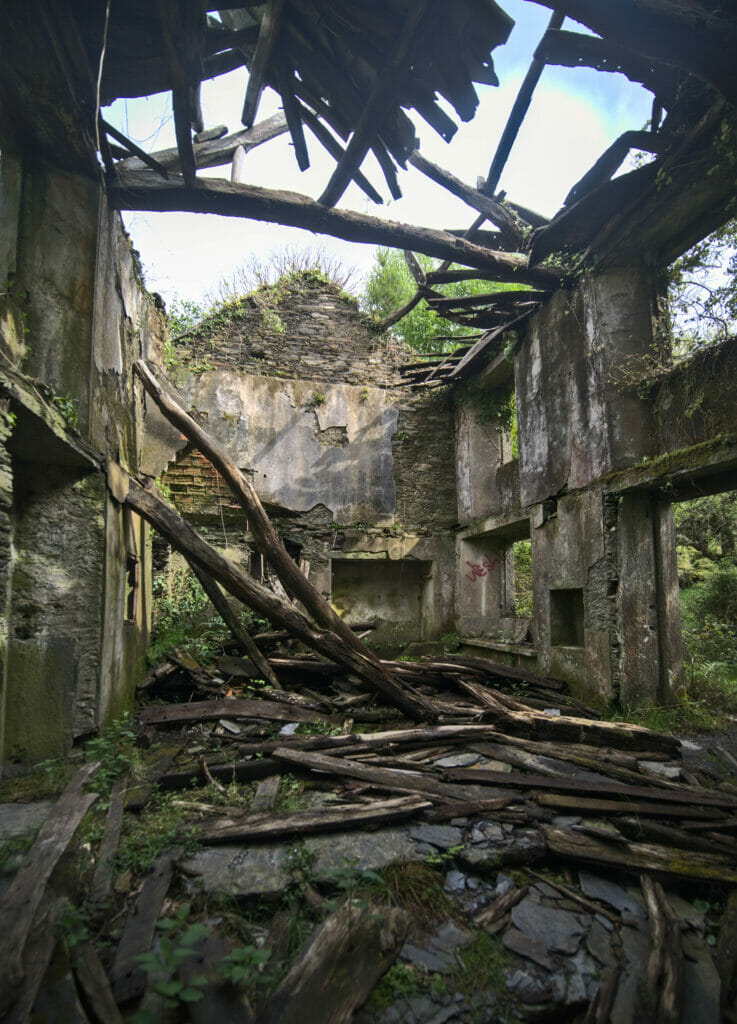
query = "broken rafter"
x=271 y=546
x=684 y=36
x=213 y=152
x=503 y=299
x=142 y=190
x=181 y=26
x=334 y=148
x=517 y=115
x=185 y=539
x=375 y=110
x=488 y=207
x=292 y=112
x=611 y=160
x=136 y=151
x=270 y=26
x=577 y=50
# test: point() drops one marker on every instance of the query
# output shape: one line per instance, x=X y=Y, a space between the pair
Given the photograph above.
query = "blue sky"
x=574 y=116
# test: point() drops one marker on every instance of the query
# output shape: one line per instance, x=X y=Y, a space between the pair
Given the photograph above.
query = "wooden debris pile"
x=515 y=775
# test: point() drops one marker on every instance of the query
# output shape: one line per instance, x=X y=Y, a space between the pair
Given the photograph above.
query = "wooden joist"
x=268 y=33
x=492 y=210
x=215 y=151
x=680 y=35
x=143 y=190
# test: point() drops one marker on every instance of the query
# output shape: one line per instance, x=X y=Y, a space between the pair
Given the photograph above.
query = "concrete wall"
x=73 y=315
x=605 y=597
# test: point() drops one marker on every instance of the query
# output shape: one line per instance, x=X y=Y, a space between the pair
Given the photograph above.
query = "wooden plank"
x=637 y=857
x=103 y=876
x=590 y=805
x=37 y=954
x=215 y=152
x=21 y=900
x=242 y=707
x=143 y=190
x=567 y=785
x=339 y=967
x=391 y=779
x=93 y=981
x=265 y=795
x=267 y=827
x=128 y=980
x=270 y=26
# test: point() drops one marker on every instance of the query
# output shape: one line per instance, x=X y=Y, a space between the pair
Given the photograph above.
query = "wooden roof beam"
x=477 y=200
x=182 y=27
x=687 y=37
x=578 y=50
x=143 y=190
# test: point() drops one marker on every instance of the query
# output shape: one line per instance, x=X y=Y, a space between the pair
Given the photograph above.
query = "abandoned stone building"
x=467 y=555
x=397 y=485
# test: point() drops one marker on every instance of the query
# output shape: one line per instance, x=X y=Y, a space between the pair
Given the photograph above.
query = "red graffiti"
x=477 y=571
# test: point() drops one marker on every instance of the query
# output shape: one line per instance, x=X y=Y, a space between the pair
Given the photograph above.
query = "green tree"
x=390 y=285
x=703 y=291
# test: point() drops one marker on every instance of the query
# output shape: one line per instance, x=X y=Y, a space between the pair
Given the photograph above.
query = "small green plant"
x=247 y=966
x=363 y=395
x=114 y=749
x=451 y=642
x=437 y=858
x=68 y=408
x=175 y=946
x=162 y=823
x=399 y=982
x=289 y=796
x=318 y=398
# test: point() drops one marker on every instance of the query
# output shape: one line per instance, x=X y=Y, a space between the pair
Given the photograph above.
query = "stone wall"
x=73 y=318
x=605 y=595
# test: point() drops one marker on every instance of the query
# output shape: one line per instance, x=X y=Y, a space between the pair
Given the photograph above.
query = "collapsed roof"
x=351 y=73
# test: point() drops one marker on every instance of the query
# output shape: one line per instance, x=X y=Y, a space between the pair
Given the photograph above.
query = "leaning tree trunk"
x=185 y=538
x=267 y=538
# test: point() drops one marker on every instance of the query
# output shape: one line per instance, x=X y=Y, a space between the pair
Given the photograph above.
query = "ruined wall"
x=605 y=600
x=73 y=316
x=296 y=387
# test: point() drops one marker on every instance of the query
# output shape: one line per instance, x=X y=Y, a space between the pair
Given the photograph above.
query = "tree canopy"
x=390 y=285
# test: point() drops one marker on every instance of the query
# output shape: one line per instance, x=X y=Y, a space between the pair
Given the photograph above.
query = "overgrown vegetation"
x=390 y=285
x=703 y=291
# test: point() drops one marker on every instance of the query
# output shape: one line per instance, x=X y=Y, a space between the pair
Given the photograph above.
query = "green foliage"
x=289 y=796
x=68 y=408
x=184 y=618
x=45 y=781
x=438 y=858
x=247 y=966
x=400 y=981
x=176 y=945
x=522 y=551
x=703 y=291
x=483 y=965
x=163 y=823
x=390 y=285
x=114 y=749
x=451 y=642
x=184 y=315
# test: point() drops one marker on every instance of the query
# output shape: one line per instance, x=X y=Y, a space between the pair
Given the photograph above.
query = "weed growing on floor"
x=163 y=823
x=45 y=781
x=114 y=748
x=418 y=888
